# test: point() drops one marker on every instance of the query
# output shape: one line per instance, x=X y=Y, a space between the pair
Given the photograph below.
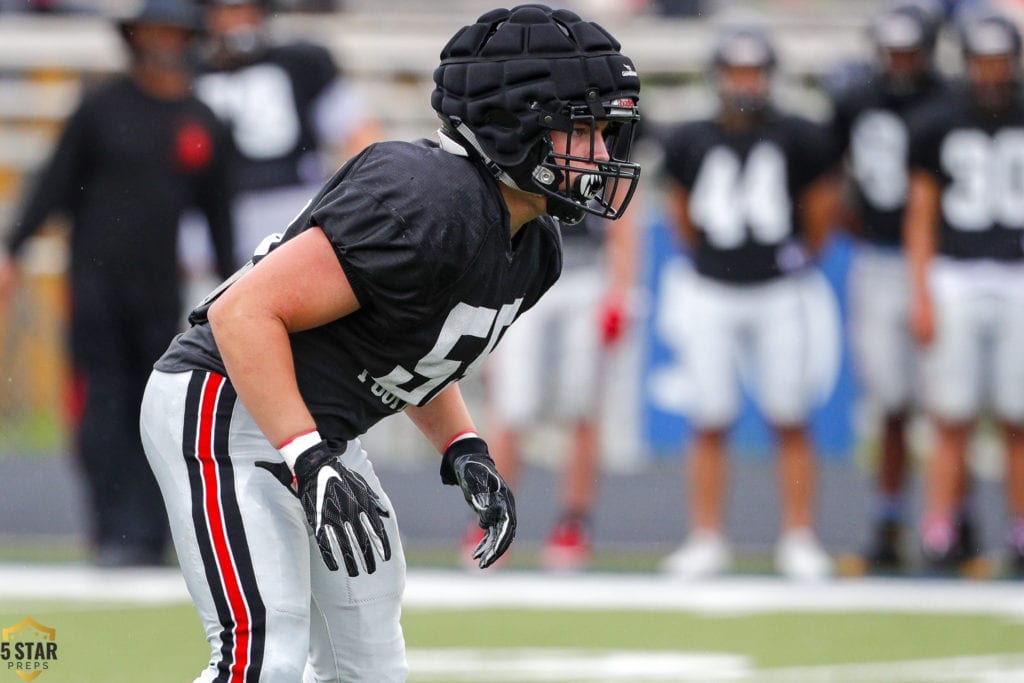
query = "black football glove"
x=468 y=464
x=343 y=511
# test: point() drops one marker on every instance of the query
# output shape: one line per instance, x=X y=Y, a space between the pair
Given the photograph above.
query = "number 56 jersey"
x=423 y=237
x=978 y=159
x=744 y=189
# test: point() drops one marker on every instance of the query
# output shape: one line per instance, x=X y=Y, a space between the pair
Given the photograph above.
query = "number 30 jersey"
x=870 y=124
x=744 y=187
x=423 y=237
x=978 y=159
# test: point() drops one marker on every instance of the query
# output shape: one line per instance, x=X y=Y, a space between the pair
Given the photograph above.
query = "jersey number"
x=988 y=179
x=259 y=104
x=436 y=369
x=730 y=195
x=878 y=153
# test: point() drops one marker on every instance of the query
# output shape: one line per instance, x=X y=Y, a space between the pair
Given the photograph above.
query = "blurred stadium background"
x=389 y=50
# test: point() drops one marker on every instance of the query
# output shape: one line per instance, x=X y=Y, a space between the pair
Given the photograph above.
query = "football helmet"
x=991 y=46
x=507 y=81
x=235 y=30
x=744 y=48
x=904 y=37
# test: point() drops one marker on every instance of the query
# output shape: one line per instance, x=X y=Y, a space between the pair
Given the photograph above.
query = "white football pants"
x=271 y=609
x=886 y=355
x=976 y=361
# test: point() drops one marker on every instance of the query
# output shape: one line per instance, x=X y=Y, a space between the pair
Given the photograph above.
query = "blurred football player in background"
x=136 y=152
x=292 y=115
x=396 y=281
x=550 y=367
x=964 y=229
x=870 y=129
x=753 y=196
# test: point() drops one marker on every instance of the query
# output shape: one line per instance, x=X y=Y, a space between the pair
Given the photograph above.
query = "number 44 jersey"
x=978 y=159
x=744 y=188
x=423 y=237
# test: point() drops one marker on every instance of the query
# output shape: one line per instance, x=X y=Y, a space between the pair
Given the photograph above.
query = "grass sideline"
x=114 y=643
x=976 y=635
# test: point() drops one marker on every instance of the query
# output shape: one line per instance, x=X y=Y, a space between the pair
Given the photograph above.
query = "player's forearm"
x=919 y=228
x=442 y=418
x=258 y=358
x=622 y=249
x=821 y=207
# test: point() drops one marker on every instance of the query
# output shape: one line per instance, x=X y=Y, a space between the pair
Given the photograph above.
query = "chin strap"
x=565 y=211
x=468 y=135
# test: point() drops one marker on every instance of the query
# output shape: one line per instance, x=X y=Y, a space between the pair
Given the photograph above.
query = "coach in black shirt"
x=137 y=151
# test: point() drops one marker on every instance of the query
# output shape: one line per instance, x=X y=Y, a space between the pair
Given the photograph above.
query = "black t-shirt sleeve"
x=378 y=251
x=60 y=180
x=925 y=127
x=316 y=68
x=683 y=154
x=812 y=153
x=214 y=198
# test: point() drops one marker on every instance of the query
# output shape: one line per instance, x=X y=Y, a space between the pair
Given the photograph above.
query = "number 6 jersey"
x=744 y=187
x=423 y=237
x=978 y=159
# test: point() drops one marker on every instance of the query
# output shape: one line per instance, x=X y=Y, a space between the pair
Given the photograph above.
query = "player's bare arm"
x=296 y=287
x=820 y=206
x=679 y=208
x=919 y=237
x=443 y=418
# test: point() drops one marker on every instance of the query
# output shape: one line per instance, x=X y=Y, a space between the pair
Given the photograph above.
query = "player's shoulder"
x=443 y=202
x=107 y=92
x=300 y=54
x=941 y=111
x=857 y=95
x=794 y=123
x=689 y=132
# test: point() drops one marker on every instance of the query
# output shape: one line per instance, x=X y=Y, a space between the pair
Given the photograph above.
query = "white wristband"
x=291 y=450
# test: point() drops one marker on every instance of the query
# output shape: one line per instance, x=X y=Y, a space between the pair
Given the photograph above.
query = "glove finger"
x=280 y=471
x=483 y=544
x=361 y=543
x=500 y=535
x=345 y=548
x=325 y=550
x=377 y=535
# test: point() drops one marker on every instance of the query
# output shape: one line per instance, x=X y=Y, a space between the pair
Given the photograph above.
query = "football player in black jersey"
x=870 y=128
x=396 y=281
x=290 y=111
x=753 y=197
x=964 y=235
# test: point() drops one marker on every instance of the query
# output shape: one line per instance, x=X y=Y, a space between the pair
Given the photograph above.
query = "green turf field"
x=113 y=644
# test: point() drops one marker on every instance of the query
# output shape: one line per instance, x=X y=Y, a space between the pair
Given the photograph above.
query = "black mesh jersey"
x=869 y=125
x=744 y=188
x=269 y=105
x=423 y=237
x=978 y=159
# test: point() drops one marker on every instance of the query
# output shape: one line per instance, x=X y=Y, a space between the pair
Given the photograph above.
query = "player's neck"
x=522 y=207
x=162 y=84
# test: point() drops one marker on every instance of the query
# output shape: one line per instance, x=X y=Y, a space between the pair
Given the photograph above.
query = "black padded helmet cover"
x=512 y=75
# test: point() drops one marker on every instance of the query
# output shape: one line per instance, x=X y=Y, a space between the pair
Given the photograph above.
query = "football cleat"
x=567 y=548
x=704 y=554
x=799 y=556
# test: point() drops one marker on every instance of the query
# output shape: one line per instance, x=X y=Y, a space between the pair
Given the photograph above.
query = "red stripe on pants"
x=215 y=522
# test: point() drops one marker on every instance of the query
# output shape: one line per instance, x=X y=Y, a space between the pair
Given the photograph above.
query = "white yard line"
x=436 y=589
x=458 y=665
